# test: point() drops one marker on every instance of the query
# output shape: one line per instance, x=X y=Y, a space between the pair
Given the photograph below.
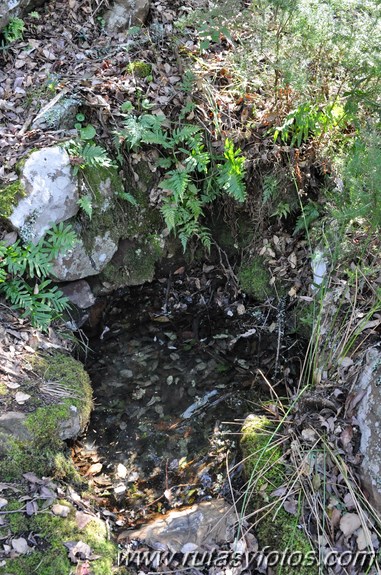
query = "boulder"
x=368 y=386
x=50 y=193
x=80 y=262
x=126 y=13
x=59 y=114
x=12 y=8
x=79 y=293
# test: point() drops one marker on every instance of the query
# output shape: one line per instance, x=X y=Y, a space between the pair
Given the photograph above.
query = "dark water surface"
x=172 y=383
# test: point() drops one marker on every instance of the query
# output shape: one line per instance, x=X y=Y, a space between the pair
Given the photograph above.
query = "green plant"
x=194 y=177
x=361 y=175
x=24 y=269
x=87 y=132
x=309 y=120
x=85 y=203
x=212 y=32
x=283 y=209
x=310 y=213
x=84 y=154
x=13 y=31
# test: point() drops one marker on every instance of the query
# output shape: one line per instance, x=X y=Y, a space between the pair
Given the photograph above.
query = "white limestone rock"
x=51 y=193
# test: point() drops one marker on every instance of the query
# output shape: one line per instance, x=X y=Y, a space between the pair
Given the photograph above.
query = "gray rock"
x=70 y=428
x=79 y=293
x=51 y=193
x=369 y=420
x=203 y=525
x=125 y=13
x=11 y=8
x=12 y=424
x=80 y=262
x=58 y=115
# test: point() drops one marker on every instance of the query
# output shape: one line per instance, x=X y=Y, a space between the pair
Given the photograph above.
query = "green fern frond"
x=177 y=183
x=85 y=203
x=231 y=172
x=128 y=197
x=169 y=211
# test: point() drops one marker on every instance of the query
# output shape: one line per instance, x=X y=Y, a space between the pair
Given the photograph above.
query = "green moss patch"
x=64 y=390
x=51 y=556
x=9 y=197
x=266 y=472
x=254 y=279
x=139 y=69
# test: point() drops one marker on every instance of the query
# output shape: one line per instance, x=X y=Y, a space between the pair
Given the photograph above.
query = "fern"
x=88 y=154
x=231 y=172
x=23 y=271
x=128 y=197
x=85 y=203
x=169 y=211
x=187 y=162
x=270 y=188
x=177 y=183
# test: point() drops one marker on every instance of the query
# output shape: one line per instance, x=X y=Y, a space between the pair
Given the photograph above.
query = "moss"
x=43 y=452
x=135 y=262
x=9 y=197
x=71 y=376
x=3 y=389
x=113 y=214
x=139 y=69
x=264 y=466
x=22 y=456
x=52 y=558
x=254 y=279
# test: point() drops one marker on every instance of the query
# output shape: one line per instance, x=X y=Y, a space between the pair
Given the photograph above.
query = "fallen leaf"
x=291 y=506
x=94 y=469
x=82 y=519
x=349 y=523
x=362 y=540
x=31 y=508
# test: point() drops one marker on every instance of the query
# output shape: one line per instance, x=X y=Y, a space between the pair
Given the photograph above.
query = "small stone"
x=21 y=397
x=20 y=545
x=60 y=510
x=119 y=489
x=121 y=471
x=126 y=373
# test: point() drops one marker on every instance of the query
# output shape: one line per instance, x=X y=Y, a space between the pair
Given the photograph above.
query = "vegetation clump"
x=52 y=556
x=24 y=271
x=66 y=385
x=266 y=471
x=140 y=69
x=9 y=196
x=255 y=278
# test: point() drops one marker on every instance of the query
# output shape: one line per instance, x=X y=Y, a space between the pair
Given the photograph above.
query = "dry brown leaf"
x=94 y=469
x=349 y=523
